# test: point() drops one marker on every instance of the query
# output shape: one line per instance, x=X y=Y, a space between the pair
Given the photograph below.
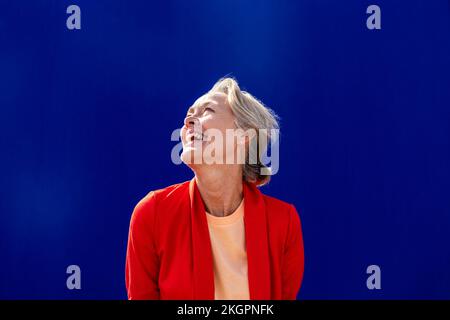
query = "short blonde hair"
x=250 y=113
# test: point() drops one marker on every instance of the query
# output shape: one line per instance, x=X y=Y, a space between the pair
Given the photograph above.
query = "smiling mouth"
x=197 y=136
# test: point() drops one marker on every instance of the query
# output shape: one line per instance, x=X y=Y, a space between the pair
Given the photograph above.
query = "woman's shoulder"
x=159 y=197
x=279 y=210
x=171 y=191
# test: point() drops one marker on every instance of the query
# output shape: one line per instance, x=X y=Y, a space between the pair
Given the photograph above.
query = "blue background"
x=86 y=118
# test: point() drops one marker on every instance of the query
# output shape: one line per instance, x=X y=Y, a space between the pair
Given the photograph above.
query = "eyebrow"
x=202 y=105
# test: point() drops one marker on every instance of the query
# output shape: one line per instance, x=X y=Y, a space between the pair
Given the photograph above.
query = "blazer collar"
x=256 y=244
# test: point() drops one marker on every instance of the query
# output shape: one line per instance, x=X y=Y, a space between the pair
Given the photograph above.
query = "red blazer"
x=169 y=250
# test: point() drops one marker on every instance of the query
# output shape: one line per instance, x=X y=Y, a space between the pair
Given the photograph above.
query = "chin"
x=187 y=156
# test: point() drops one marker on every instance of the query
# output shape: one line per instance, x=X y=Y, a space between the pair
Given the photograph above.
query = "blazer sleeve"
x=293 y=258
x=142 y=262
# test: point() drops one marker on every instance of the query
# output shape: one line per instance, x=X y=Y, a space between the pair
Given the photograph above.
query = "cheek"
x=208 y=122
x=218 y=122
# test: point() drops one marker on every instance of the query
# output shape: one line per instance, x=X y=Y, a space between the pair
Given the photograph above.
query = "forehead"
x=214 y=98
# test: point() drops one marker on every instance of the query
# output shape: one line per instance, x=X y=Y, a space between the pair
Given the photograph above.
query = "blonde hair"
x=250 y=113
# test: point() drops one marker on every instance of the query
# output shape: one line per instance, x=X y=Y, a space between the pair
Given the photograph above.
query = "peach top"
x=229 y=252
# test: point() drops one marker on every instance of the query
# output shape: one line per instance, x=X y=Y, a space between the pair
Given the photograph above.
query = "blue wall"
x=86 y=117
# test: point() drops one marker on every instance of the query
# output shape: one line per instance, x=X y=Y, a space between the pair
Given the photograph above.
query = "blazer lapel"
x=201 y=247
x=257 y=243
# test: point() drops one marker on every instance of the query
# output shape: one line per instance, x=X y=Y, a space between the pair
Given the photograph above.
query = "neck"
x=221 y=188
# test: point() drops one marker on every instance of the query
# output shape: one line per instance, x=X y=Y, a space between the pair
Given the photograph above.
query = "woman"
x=217 y=236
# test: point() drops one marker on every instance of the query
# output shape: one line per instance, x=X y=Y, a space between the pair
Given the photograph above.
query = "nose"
x=189 y=121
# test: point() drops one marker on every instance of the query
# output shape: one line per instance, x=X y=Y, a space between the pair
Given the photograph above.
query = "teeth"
x=198 y=136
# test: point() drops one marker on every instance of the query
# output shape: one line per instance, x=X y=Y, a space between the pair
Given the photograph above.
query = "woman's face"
x=204 y=134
